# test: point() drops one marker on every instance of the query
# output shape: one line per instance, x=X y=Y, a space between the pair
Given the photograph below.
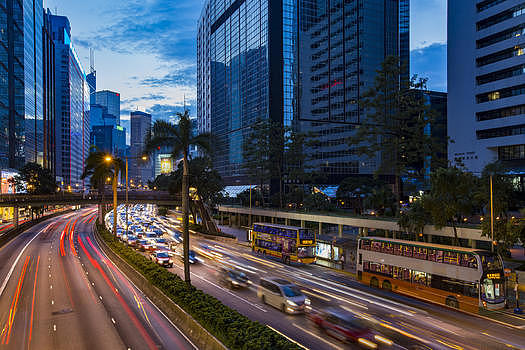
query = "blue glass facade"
x=302 y=63
x=21 y=80
x=72 y=106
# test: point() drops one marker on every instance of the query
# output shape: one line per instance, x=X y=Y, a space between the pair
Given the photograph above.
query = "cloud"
x=165 y=28
x=431 y=62
x=177 y=77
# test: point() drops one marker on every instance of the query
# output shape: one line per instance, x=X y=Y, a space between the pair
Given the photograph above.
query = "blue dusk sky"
x=146 y=49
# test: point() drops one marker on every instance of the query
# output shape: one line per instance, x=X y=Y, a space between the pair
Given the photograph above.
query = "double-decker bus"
x=462 y=278
x=288 y=243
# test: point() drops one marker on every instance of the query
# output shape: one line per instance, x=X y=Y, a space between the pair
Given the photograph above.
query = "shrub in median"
x=234 y=330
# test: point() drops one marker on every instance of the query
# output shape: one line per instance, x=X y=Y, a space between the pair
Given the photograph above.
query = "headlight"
x=291 y=303
x=367 y=343
x=383 y=340
x=235 y=282
x=307 y=301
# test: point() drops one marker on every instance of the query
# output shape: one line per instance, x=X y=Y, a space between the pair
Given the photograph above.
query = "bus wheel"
x=374 y=282
x=452 y=302
x=387 y=285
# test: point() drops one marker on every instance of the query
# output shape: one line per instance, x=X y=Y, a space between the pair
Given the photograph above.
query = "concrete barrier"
x=189 y=326
x=214 y=238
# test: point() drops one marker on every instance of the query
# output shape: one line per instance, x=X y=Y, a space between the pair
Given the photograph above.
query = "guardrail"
x=20 y=200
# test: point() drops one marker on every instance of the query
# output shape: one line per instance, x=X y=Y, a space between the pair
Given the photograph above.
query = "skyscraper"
x=486 y=84
x=21 y=104
x=302 y=64
x=49 y=110
x=140 y=172
x=72 y=106
x=110 y=100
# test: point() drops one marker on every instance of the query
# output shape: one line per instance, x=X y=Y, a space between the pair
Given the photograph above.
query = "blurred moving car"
x=282 y=295
x=161 y=258
x=233 y=278
x=192 y=257
x=348 y=327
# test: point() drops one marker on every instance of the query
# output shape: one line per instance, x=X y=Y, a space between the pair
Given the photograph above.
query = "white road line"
x=318 y=337
x=6 y=280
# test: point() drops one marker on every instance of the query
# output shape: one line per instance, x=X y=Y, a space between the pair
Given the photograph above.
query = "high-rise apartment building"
x=72 y=106
x=486 y=83
x=21 y=95
x=139 y=171
x=302 y=64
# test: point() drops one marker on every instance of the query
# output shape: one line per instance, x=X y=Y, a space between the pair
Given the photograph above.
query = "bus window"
x=407 y=251
x=420 y=253
x=376 y=246
x=387 y=248
x=439 y=256
x=397 y=249
x=419 y=277
x=451 y=258
x=365 y=244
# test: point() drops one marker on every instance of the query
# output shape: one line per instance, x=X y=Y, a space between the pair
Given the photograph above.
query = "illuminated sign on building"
x=165 y=166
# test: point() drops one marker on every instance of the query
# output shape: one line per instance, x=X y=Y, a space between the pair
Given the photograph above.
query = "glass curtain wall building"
x=21 y=91
x=301 y=63
x=72 y=107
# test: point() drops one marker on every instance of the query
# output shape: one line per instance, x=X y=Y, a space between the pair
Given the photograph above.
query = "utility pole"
x=491 y=217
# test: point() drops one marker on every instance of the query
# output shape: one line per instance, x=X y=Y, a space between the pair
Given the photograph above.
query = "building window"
x=500 y=36
x=501 y=74
x=515 y=152
x=503 y=93
x=502 y=16
x=501 y=113
x=484 y=5
x=501 y=132
x=500 y=55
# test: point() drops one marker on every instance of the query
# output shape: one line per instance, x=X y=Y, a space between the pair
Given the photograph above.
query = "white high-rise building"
x=486 y=83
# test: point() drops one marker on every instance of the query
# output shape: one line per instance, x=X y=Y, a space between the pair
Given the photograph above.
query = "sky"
x=146 y=49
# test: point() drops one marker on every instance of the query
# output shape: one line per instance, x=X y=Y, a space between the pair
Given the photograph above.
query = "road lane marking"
x=4 y=284
x=287 y=337
x=318 y=337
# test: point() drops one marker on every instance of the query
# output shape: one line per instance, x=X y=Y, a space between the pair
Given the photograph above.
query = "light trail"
x=33 y=304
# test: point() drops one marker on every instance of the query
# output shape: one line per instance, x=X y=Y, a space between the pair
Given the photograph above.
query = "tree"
x=354 y=190
x=507 y=229
x=179 y=138
x=34 y=180
x=451 y=197
x=206 y=180
x=317 y=201
x=414 y=218
x=98 y=171
x=382 y=200
x=396 y=125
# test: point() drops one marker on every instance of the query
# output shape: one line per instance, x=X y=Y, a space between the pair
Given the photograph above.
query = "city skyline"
x=157 y=75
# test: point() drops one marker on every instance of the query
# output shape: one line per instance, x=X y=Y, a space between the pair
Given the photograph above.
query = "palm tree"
x=179 y=138
x=98 y=170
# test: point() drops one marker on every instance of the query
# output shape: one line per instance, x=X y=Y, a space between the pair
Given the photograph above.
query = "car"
x=283 y=295
x=348 y=327
x=162 y=258
x=233 y=278
x=192 y=257
x=142 y=245
x=132 y=241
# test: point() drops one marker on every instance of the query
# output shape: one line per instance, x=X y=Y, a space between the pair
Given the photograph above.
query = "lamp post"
x=491 y=217
x=109 y=159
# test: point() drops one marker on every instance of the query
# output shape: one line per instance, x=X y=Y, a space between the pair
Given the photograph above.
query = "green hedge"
x=234 y=330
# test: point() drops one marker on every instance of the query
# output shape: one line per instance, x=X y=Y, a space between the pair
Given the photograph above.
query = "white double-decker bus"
x=462 y=278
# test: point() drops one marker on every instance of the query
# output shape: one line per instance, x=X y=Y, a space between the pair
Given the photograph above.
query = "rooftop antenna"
x=92 y=59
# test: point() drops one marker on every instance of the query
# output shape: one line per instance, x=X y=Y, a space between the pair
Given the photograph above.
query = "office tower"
x=302 y=64
x=139 y=171
x=110 y=100
x=49 y=110
x=486 y=84
x=72 y=106
x=21 y=56
x=91 y=79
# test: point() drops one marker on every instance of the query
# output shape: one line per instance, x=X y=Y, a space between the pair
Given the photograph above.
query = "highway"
x=410 y=323
x=59 y=291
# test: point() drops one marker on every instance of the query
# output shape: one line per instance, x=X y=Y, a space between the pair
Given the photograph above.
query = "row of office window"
x=501 y=74
x=422 y=278
x=430 y=254
x=502 y=16
x=517 y=50
x=484 y=5
x=513 y=32
x=501 y=113
x=514 y=152
x=503 y=93
x=501 y=132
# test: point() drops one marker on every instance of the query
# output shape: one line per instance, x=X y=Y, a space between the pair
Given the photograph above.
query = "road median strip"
x=207 y=321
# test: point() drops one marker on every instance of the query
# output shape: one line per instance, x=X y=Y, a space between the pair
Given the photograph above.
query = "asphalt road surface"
x=59 y=291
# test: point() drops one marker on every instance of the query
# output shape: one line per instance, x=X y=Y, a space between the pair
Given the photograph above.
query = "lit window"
x=494 y=96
